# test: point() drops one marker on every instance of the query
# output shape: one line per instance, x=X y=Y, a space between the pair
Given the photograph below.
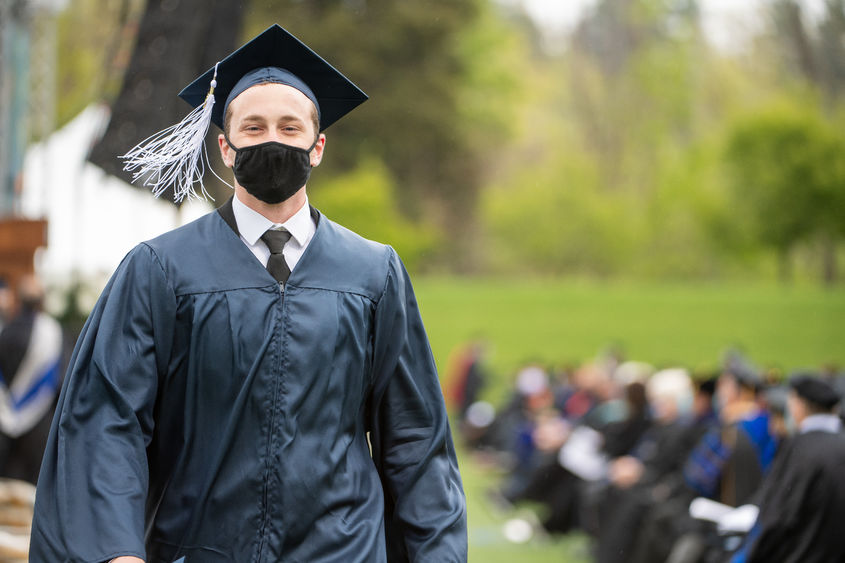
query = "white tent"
x=93 y=219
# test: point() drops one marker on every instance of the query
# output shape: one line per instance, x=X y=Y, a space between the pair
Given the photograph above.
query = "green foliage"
x=788 y=175
x=91 y=47
x=496 y=66
x=439 y=74
x=364 y=200
x=487 y=542
x=638 y=151
x=554 y=220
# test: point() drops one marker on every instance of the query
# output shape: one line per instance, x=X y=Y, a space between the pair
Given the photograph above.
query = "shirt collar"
x=821 y=422
x=252 y=224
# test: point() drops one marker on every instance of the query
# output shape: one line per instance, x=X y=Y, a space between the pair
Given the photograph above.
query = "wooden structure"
x=19 y=239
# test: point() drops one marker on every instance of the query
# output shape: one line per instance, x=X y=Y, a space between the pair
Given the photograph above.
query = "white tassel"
x=176 y=155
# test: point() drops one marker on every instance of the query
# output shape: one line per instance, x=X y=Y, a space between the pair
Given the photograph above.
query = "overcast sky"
x=726 y=22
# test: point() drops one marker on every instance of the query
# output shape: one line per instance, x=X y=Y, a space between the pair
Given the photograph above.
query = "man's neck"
x=275 y=212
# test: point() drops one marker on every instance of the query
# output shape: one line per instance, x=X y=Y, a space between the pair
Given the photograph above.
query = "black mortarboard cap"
x=741 y=369
x=275 y=47
x=745 y=376
x=815 y=390
x=708 y=385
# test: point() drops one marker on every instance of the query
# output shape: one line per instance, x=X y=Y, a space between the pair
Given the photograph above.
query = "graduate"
x=257 y=385
x=803 y=497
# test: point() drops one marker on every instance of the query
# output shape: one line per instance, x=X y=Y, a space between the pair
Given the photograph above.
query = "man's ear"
x=226 y=152
x=317 y=151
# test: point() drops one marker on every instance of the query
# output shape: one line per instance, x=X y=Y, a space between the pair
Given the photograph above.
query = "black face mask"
x=272 y=172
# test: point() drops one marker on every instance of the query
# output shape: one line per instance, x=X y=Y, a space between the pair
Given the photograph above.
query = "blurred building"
x=94 y=218
x=27 y=78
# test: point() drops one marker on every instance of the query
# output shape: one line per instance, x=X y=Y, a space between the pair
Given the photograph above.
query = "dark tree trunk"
x=177 y=41
x=829 y=273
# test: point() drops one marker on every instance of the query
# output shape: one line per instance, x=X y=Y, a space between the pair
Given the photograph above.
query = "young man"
x=257 y=385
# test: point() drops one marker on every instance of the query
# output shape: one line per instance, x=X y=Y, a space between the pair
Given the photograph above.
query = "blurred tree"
x=789 y=180
x=442 y=77
x=816 y=52
x=552 y=219
x=85 y=67
x=598 y=154
x=364 y=201
x=176 y=41
x=635 y=66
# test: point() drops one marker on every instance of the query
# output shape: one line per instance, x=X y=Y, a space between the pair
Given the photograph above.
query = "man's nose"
x=274 y=135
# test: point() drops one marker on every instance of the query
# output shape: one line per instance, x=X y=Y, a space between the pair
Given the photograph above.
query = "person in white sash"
x=30 y=357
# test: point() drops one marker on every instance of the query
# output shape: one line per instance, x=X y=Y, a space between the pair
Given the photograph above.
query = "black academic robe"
x=210 y=413
x=803 y=503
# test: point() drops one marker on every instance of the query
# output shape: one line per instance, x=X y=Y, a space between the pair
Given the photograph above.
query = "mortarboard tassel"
x=176 y=155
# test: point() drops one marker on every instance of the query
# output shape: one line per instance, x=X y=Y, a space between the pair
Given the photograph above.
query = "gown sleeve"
x=782 y=495
x=425 y=512
x=91 y=496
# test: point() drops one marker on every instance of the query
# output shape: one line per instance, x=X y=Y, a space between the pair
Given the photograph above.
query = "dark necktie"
x=276 y=265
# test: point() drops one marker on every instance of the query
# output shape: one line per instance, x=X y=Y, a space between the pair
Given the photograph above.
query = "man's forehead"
x=270 y=95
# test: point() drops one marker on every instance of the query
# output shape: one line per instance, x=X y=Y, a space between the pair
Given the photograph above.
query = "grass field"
x=552 y=321
x=691 y=325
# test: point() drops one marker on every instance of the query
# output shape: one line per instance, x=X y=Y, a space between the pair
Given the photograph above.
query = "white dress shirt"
x=252 y=224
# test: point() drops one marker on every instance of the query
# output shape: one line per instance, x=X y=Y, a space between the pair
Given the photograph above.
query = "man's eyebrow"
x=260 y=119
x=289 y=118
x=253 y=117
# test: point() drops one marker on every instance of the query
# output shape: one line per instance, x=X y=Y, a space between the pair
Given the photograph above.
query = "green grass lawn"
x=487 y=542
x=557 y=321
x=691 y=325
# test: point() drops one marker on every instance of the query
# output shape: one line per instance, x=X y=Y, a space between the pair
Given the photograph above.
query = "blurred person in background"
x=531 y=404
x=648 y=475
x=466 y=377
x=730 y=462
x=256 y=385
x=617 y=419
x=702 y=406
x=30 y=357
x=727 y=464
x=802 y=500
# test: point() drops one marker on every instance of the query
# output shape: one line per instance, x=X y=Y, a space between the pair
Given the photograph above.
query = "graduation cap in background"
x=742 y=370
x=814 y=389
x=177 y=155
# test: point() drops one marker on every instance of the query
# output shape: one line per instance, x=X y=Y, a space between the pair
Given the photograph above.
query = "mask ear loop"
x=231 y=146
x=216 y=175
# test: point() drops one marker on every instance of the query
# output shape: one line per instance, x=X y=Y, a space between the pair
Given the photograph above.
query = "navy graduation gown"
x=207 y=413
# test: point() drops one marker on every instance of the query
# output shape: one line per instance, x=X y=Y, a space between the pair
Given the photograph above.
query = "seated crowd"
x=658 y=465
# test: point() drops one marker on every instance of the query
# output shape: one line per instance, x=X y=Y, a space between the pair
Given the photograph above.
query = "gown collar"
x=821 y=422
x=227 y=213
